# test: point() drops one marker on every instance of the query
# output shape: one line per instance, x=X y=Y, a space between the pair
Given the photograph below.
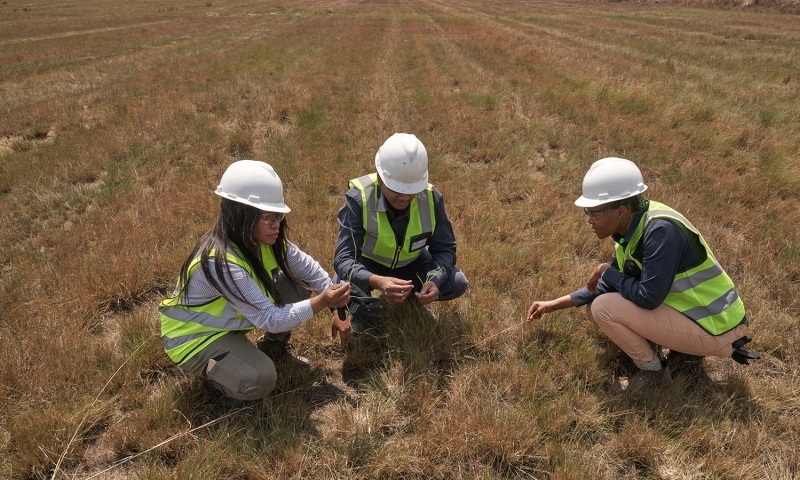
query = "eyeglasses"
x=270 y=217
x=596 y=214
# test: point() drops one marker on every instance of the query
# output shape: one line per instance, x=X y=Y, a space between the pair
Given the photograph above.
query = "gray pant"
x=234 y=365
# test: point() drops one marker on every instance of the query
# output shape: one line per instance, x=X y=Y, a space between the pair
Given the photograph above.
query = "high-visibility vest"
x=704 y=293
x=187 y=329
x=380 y=244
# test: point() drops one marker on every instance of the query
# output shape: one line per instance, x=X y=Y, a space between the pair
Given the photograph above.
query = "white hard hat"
x=253 y=183
x=610 y=179
x=402 y=164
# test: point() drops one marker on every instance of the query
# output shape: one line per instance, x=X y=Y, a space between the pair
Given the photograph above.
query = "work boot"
x=645 y=379
x=278 y=352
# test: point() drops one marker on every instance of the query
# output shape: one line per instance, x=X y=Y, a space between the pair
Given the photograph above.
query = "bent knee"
x=260 y=388
x=265 y=382
x=461 y=284
x=603 y=308
x=242 y=379
x=455 y=286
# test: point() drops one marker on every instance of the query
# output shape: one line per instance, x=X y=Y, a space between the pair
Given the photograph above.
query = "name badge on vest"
x=418 y=242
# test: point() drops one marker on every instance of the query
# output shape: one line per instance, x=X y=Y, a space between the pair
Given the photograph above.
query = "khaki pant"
x=234 y=365
x=630 y=327
x=242 y=371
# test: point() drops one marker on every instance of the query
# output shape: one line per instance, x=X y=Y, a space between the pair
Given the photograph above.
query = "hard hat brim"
x=584 y=202
x=590 y=202
x=263 y=206
x=405 y=188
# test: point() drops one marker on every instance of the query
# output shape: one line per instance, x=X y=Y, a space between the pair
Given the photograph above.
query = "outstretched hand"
x=537 y=310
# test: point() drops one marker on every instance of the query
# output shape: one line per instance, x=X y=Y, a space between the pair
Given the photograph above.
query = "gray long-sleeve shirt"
x=441 y=244
x=666 y=250
x=261 y=312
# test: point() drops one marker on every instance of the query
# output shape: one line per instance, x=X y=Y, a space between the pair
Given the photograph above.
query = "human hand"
x=428 y=294
x=538 y=309
x=395 y=289
x=337 y=295
x=595 y=276
x=341 y=328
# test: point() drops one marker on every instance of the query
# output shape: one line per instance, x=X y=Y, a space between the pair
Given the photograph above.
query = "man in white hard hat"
x=663 y=284
x=394 y=233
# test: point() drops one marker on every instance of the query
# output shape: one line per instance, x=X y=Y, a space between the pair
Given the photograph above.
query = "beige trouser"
x=630 y=327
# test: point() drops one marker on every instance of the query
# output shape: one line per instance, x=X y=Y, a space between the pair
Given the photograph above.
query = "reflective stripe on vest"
x=187 y=329
x=704 y=293
x=380 y=243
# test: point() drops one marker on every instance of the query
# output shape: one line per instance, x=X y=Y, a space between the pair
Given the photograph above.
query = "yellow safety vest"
x=704 y=293
x=187 y=329
x=380 y=244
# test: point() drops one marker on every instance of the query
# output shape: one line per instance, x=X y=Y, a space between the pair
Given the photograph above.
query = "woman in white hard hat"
x=260 y=281
x=662 y=285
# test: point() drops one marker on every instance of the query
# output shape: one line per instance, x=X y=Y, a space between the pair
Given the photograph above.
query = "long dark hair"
x=235 y=226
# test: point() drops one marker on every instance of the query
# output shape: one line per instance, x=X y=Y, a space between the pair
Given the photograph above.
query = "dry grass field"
x=117 y=120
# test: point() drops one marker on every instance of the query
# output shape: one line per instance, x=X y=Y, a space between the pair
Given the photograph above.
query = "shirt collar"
x=632 y=227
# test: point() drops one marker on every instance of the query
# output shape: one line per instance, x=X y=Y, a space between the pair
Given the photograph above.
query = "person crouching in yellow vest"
x=663 y=283
x=394 y=233
x=244 y=274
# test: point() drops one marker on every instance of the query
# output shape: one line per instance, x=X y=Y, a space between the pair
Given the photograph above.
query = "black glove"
x=741 y=355
x=363 y=309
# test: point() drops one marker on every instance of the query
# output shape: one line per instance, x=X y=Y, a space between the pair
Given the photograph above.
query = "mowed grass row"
x=119 y=119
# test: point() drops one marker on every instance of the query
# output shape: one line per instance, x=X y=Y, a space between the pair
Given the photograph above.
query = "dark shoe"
x=230 y=403
x=279 y=353
x=645 y=379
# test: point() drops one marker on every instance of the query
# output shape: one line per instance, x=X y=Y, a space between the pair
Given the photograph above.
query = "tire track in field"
x=109 y=71
x=387 y=76
x=518 y=105
x=705 y=68
x=82 y=32
x=569 y=55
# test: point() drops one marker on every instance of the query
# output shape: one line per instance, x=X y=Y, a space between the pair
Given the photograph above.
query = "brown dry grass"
x=117 y=119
